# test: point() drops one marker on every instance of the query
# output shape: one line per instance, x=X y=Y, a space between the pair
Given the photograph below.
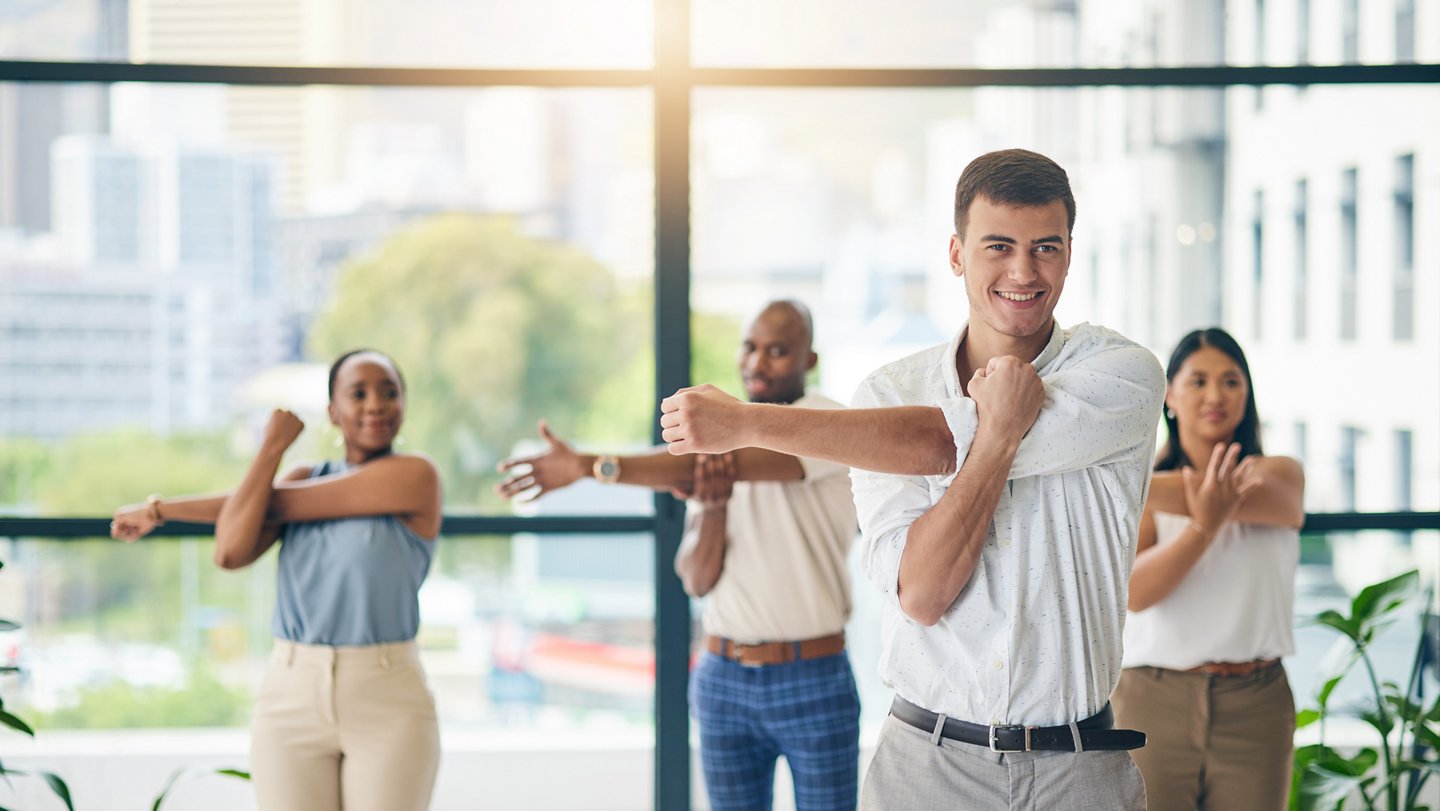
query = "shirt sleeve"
x=885 y=505
x=1101 y=409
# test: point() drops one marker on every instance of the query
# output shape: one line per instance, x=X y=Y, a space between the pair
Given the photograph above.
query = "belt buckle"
x=742 y=659
x=993 y=744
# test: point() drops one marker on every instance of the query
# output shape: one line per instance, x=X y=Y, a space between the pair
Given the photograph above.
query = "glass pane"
x=1167 y=184
x=1038 y=33
x=1334 y=567
x=539 y=651
x=177 y=261
x=392 y=33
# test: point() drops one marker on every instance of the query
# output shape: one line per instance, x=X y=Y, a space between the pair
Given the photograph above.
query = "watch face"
x=609 y=469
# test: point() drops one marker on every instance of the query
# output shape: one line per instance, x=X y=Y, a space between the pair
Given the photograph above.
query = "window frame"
x=673 y=79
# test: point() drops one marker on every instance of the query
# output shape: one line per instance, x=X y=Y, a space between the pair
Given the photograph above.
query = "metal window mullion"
x=672 y=370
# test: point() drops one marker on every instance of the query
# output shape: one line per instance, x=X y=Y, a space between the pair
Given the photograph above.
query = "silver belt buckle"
x=994 y=748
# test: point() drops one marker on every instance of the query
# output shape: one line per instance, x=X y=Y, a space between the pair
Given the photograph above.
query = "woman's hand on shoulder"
x=1280 y=499
x=1214 y=495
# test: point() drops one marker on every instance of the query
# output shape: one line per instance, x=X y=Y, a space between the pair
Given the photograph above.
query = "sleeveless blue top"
x=349 y=581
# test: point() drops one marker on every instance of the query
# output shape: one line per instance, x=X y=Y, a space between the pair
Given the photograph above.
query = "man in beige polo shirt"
x=766 y=540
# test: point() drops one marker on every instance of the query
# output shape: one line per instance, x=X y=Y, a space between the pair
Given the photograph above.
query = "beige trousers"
x=350 y=728
x=1212 y=742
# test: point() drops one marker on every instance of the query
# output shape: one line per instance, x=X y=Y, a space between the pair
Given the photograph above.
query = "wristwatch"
x=606 y=469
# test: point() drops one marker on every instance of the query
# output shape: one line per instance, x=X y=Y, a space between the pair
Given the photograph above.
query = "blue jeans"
x=808 y=711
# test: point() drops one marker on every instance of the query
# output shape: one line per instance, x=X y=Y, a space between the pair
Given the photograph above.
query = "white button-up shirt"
x=1035 y=636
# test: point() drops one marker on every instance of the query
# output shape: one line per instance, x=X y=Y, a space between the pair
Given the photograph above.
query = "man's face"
x=1013 y=261
x=774 y=357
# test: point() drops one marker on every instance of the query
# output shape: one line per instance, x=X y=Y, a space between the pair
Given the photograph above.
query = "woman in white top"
x=1212 y=596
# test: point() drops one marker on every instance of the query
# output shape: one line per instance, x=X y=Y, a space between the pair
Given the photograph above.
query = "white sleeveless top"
x=1236 y=605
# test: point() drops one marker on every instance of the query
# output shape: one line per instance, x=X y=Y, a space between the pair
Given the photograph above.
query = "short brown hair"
x=1013 y=177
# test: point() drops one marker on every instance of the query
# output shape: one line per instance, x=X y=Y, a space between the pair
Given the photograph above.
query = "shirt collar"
x=952 y=374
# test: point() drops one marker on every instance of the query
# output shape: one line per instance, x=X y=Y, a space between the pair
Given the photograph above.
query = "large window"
x=559 y=209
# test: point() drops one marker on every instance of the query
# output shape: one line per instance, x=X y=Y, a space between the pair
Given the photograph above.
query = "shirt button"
x=999 y=664
x=1005 y=544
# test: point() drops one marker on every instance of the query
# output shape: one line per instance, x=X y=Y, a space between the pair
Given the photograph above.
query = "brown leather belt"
x=775 y=653
x=1235 y=669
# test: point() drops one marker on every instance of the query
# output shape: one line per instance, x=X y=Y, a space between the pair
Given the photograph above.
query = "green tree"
x=623 y=409
x=23 y=462
x=491 y=328
x=93 y=473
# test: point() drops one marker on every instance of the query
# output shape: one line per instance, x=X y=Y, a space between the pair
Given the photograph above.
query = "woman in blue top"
x=343 y=719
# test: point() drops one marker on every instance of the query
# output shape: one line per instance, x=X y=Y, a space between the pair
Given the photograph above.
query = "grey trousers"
x=909 y=772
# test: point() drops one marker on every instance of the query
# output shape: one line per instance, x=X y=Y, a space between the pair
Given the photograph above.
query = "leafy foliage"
x=202 y=702
x=56 y=784
x=1381 y=777
x=490 y=328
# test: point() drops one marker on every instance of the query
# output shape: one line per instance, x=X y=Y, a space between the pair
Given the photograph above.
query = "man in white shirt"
x=766 y=540
x=1012 y=467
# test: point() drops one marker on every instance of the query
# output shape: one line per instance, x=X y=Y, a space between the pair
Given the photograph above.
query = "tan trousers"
x=349 y=728
x=1212 y=742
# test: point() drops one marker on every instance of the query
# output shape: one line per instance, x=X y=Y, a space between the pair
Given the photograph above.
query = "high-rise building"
x=299 y=124
x=1327 y=269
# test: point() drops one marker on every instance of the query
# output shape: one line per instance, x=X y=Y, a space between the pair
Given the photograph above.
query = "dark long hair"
x=1247 y=433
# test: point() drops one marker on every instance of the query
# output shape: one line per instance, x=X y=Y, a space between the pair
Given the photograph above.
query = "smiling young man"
x=1009 y=470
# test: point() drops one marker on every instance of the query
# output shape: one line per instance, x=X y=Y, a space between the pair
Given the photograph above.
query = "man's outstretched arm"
x=906 y=440
x=560 y=465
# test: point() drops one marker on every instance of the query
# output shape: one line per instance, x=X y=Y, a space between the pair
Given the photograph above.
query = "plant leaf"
x=1333 y=668
x=1382 y=723
x=1322 y=788
x=9 y=625
x=15 y=723
x=1334 y=619
x=1378 y=601
x=182 y=774
x=58 y=786
x=1305 y=718
x=169 y=784
x=1323 y=779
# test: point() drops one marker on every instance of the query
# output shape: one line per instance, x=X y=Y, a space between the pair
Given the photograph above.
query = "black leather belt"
x=1095 y=732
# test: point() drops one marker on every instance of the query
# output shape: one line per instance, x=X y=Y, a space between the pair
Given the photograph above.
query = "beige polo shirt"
x=785 y=576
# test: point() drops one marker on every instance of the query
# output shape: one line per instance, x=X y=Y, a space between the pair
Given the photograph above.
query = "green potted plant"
x=1381 y=776
x=55 y=782
x=13 y=721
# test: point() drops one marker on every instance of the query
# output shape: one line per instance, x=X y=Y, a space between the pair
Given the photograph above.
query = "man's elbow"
x=925 y=611
x=942 y=444
x=697 y=584
x=697 y=588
